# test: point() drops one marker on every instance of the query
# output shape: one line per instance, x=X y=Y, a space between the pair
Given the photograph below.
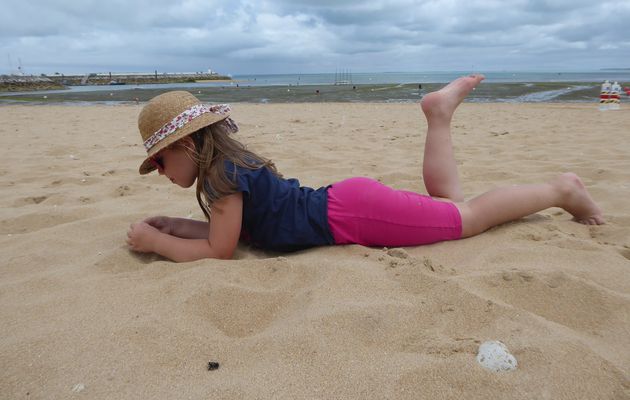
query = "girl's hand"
x=141 y=237
x=162 y=224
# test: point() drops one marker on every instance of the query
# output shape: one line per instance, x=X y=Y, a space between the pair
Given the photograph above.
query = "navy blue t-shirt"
x=278 y=214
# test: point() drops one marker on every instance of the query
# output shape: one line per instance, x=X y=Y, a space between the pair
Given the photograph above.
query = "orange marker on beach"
x=604 y=96
x=615 y=98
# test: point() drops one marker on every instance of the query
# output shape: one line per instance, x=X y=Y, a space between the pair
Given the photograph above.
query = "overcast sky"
x=301 y=36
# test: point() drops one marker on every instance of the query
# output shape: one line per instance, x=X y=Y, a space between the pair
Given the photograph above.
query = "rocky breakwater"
x=135 y=78
x=21 y=83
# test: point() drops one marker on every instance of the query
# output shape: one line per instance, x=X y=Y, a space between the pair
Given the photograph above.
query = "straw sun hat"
x=172 y=116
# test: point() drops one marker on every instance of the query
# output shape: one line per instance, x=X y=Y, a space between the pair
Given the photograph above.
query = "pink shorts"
x=366 y=212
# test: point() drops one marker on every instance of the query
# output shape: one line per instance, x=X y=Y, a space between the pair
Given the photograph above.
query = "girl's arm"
x=190 y=228
x=180 y=227
x=220 y=242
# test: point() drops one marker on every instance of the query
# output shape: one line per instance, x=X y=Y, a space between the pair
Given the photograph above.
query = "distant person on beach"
x=243 y=196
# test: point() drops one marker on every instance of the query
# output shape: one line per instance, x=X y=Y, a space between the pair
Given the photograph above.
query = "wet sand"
x=384 y=93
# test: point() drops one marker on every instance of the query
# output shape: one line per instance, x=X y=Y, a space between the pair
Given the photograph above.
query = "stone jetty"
x=11 y=83
x=19 y=83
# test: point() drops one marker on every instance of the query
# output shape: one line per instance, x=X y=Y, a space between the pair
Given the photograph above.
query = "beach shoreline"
x=84 y=316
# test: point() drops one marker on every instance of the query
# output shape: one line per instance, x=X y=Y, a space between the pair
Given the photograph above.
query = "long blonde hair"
x=213 y=146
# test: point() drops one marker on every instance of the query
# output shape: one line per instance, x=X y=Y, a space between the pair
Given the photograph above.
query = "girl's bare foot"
x=440 y=106
x=577 y=201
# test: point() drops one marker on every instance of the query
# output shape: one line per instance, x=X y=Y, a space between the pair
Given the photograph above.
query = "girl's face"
x=177 y=164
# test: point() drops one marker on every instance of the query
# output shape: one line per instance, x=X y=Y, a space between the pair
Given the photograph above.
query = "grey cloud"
x=251 y=35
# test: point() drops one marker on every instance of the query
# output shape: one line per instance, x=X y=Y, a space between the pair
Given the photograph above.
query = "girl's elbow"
x=225 y=253
x=225 y=256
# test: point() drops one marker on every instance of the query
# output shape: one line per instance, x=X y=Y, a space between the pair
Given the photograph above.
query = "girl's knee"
x=471 y=223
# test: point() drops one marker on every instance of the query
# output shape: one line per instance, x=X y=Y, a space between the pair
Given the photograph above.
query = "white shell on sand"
x=494 y=356
x=79 y=387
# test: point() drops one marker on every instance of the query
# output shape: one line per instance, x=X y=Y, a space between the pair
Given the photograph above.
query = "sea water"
x=428 y=77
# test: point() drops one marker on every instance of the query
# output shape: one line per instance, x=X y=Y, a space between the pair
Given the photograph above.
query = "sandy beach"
x=83 y=317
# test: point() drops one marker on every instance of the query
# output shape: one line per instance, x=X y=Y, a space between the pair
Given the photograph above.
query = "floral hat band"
x=186 y=117
x=171 y=116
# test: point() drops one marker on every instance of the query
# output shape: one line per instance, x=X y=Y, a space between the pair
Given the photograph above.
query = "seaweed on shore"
x=391 y=93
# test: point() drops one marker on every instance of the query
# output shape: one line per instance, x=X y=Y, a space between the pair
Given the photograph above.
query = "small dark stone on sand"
x=213 y=365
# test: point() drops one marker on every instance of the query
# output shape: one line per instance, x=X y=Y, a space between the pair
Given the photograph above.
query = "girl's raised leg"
x=439 y=169
x=510 y=203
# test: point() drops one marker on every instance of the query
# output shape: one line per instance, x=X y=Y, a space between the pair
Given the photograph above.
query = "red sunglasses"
x=158 y=162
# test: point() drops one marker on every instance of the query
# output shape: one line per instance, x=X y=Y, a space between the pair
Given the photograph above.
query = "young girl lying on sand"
x=243 y=195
